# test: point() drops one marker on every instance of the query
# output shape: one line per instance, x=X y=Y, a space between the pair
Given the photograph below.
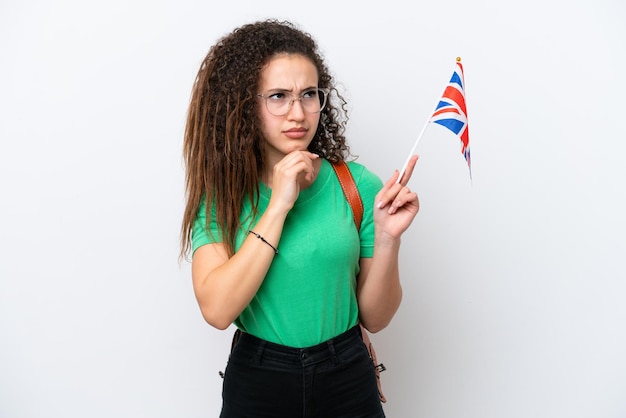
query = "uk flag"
x=451 y=111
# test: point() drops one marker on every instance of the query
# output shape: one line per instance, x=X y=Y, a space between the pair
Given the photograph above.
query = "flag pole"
x=413 y=150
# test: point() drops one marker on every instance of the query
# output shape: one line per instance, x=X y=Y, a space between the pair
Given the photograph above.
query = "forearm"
x=225 y=286
x=379 y=290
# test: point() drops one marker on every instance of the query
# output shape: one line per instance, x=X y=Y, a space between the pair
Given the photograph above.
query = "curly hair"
x=223 y=147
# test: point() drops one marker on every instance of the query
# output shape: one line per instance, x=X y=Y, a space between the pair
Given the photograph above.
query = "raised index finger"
x=406 y=176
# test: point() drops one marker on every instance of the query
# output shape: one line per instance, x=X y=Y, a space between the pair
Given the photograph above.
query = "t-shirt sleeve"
x=369 y=184
x=201 y=233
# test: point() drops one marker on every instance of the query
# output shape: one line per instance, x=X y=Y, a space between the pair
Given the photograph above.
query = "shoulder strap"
x=354 y=198
x=350 y=190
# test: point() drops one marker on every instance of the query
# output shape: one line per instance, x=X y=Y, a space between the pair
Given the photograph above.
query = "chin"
x=297 y=147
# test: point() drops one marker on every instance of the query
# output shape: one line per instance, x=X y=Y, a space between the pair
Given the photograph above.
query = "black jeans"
x=330 y=380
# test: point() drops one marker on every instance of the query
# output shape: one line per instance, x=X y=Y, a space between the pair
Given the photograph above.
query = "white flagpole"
x=413 y=149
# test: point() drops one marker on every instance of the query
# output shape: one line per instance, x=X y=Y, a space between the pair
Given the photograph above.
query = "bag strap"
x=348 y=185
x=350 y=190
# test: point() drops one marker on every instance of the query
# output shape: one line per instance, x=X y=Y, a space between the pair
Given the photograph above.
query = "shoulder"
x=363 y=177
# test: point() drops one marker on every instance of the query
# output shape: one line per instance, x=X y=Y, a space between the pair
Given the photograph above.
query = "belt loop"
x=259 y=352
x=333 y=353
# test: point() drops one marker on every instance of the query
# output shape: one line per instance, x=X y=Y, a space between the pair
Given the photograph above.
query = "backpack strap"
x=354 y=198
x=350 y=190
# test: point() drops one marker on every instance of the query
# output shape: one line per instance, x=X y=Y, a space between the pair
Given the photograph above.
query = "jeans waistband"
x=290 y=357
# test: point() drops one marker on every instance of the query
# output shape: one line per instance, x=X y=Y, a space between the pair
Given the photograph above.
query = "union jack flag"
x=452 y=113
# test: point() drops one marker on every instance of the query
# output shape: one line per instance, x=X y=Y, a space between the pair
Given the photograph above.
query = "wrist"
x=384 y=240
x=277 y=211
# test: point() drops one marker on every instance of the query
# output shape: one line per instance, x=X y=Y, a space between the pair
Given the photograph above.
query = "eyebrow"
x=278 y=89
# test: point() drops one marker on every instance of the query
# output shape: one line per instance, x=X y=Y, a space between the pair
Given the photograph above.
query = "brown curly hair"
x=223 y=146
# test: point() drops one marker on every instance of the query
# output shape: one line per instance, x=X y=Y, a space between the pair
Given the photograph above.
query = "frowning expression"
x=290 y=75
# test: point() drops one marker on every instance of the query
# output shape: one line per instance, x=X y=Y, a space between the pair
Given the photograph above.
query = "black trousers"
x=330 y=380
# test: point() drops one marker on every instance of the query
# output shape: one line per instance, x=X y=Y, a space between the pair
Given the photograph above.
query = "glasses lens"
x=312 y=101
x=278 y=103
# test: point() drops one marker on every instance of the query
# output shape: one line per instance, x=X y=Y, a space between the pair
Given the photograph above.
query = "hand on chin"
x=305 y=180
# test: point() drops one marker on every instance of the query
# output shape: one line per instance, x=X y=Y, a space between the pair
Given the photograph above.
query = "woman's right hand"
x=296 y=171
x=225 y=285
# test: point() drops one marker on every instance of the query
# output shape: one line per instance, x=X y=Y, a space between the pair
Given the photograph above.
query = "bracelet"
x=264 y=240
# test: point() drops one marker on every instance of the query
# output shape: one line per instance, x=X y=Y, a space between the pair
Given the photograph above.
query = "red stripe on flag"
x=465 y=138
x=455 y=95
x=446 y=110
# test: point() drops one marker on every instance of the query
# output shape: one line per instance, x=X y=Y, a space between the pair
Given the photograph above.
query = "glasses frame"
x=266 y=96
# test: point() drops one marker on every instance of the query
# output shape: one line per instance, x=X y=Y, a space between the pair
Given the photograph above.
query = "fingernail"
x=379 y=204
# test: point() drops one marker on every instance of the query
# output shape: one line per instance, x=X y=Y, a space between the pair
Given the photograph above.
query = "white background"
x=514 y=282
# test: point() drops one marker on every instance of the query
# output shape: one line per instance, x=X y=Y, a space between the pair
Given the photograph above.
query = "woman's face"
x=283 y=77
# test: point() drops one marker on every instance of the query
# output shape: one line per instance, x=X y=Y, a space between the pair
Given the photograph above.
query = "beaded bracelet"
x=264 y=240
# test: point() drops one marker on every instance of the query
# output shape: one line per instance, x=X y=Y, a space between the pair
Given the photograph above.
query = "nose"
x=296 y=111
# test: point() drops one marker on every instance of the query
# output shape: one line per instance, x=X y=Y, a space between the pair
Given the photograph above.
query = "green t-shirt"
x=309 y=293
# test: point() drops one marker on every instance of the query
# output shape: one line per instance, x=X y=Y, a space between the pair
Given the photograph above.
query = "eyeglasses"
x=280 y=102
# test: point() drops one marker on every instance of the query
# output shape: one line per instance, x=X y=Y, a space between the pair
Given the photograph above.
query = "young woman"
x=273 y=242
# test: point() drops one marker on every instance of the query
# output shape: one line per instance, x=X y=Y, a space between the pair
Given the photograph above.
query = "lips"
x=295 y=133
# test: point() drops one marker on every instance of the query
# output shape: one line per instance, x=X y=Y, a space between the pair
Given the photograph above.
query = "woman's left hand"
x=396 y=204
